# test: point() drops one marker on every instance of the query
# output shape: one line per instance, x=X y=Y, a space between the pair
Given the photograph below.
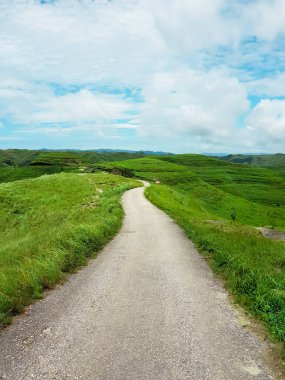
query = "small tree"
x=233 y=214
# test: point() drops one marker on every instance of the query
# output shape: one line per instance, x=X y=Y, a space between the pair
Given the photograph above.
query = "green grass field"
x=25 y=157
x=265 y=160
x=219 y=204
x=18 y=164
x=51 y=225
x=10 y=173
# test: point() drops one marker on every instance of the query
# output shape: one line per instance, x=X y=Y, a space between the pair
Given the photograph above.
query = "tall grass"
x=50 y=226
x=218 y=204
x=10 y=173
x=253 y=267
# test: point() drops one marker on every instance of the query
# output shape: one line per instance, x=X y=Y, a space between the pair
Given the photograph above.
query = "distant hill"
x=142 y=152
x=17 y=157
x=263 y=160
x=108 y=150
x=45 y=157
x=194 y=160
x=66 y=157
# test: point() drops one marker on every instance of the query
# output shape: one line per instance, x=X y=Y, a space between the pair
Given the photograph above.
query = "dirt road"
x=147 y=308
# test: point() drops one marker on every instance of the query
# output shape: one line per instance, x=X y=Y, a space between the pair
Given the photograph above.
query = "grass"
x=10 y=173
x=253 y=267
x=256 y=194
x=202 y=194
x=53 y=223
x=264 y=160
x=18 y=164
x=25 y=157
x=50 y=226
x=261 y=185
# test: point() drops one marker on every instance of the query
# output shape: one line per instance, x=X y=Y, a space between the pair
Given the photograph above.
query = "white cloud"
x=187 y=57
x=266 y=18
x=266 y=122
x=192 y=103
x=80 y=43
x=272 y=86
x=190 y=25
x=83 y=106
x=37 y=103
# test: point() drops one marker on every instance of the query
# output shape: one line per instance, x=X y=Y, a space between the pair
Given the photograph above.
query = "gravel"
x=147 y=308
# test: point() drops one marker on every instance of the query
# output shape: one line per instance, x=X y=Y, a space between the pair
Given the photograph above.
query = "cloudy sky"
x=172 y=75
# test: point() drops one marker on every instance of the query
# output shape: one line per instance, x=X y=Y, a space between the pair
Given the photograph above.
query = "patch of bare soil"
x=271 y=233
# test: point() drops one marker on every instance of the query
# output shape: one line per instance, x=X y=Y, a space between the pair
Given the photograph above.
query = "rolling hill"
x=219 y=205
x=265 y=160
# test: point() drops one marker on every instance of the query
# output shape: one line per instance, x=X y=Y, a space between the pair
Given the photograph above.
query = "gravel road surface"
x=147 y=308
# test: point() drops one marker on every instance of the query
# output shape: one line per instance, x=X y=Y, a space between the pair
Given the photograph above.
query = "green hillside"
x=147 y=168
x=51 y=225
x=25 y=157
x=11 y=173
x=17 y=164
x=17 y=157
x=259 y=185
x=266 y=160
x=219 y=204
x=274 y=161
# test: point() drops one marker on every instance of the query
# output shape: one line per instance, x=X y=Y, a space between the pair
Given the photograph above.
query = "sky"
x=169 y=75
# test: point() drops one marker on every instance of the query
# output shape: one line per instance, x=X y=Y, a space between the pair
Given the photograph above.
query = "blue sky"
x=174 y=75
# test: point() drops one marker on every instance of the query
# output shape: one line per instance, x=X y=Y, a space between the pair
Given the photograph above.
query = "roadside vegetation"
x=10 y=173
x=219 y=205
x=50 y=226
x=18 y=164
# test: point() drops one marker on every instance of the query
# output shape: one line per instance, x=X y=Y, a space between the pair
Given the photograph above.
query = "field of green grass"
x=25 y=157
x=219 y=204
x=50 y=226
x=265 y=160
x=53 y=223
x=18 y=164
x=10 y=173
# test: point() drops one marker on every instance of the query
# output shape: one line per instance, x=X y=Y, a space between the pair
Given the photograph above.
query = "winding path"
x=147 y=308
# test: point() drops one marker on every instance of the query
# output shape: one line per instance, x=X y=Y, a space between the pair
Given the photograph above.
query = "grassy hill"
x=218 y=204
x=259 y=185
x=147 y=168
x=274 y=161
x=266 y=160
x=10 y=173
x=17 y=164
x=51 y=225
x=17 y=157
x=24 y=157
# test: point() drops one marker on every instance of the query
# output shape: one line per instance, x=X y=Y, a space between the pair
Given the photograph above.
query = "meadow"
x=218 y=204
x=11 y=173
x=50 y=226
x=25 y=157
x=18 y=164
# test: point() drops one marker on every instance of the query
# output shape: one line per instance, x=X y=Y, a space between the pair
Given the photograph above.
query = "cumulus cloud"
x=95 y=42
x=266 y=18
x=267 y=121
x=272 y=86
x=83 y=106
x=193 y=65
x=193 y=103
